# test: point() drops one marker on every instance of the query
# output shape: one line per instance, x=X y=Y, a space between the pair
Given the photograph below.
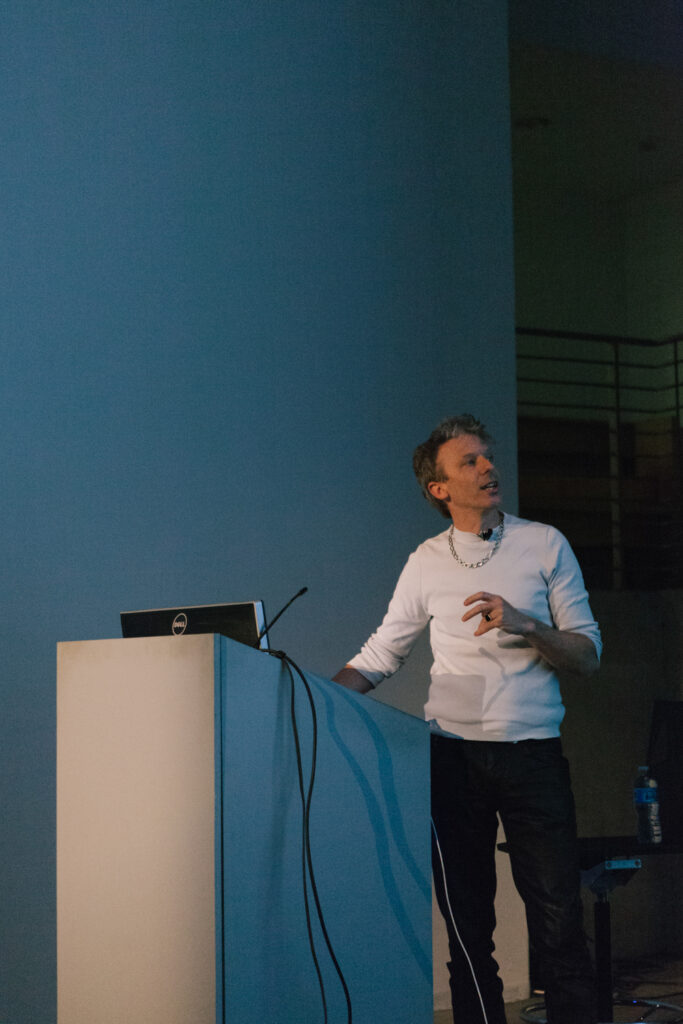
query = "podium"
x=181 y=869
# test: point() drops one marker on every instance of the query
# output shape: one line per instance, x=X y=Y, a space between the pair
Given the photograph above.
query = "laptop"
x=243 y=621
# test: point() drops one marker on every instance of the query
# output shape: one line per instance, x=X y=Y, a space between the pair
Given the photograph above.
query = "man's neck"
x=474 y=521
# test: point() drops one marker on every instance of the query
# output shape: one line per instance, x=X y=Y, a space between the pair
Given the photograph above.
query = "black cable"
x=304 y=804
x=307 y=858
x=314 y=887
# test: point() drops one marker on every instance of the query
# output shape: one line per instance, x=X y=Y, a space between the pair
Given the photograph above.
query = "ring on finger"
x=487 y=616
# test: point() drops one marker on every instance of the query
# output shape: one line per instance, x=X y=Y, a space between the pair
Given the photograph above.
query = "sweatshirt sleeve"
x=567 y=594
x=387 y=649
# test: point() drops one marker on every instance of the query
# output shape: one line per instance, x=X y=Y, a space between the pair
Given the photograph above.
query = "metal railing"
x=600 y=428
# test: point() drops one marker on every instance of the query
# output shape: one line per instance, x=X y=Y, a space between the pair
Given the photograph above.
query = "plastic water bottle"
x=646 y=803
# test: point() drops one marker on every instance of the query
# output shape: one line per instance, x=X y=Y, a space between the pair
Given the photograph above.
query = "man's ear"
x=438 y=490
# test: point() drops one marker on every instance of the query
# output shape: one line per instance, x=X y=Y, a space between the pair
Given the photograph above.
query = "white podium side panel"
x=136 y=812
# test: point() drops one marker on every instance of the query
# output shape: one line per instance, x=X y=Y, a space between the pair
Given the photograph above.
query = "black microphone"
x=485 y=534
x=268 y=625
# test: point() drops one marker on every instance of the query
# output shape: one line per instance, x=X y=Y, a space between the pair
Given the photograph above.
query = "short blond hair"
x=426 y=454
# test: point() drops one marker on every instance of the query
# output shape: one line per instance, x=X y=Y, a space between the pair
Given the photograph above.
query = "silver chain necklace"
x=483 y=561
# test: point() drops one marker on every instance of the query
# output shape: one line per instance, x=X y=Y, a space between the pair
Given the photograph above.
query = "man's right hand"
x=352 y=680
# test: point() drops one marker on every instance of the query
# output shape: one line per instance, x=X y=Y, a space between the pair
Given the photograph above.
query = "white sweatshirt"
x=496 y=686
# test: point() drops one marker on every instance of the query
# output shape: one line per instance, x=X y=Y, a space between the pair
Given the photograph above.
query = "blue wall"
x=251 y=252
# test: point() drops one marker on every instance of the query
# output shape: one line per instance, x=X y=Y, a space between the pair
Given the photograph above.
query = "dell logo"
x=179 y=624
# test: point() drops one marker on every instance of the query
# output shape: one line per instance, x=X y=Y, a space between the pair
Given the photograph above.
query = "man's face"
x=471 y=481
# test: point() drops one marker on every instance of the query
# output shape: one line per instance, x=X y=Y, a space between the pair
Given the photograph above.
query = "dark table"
x=606 y=862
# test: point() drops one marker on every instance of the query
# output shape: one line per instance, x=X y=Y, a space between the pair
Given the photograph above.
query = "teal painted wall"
x=251 y=252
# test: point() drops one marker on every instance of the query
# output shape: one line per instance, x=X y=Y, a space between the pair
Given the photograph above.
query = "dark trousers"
x=527 y=784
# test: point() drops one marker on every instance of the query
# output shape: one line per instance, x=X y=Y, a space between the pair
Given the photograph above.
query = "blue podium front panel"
x=369 y=851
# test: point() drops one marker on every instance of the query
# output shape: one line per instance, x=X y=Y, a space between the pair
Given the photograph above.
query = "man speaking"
x=507 y=612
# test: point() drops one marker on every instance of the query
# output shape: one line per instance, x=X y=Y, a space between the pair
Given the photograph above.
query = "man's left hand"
x=564 y=650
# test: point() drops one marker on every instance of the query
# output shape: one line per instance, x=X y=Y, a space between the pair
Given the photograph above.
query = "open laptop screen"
x=242 y=621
